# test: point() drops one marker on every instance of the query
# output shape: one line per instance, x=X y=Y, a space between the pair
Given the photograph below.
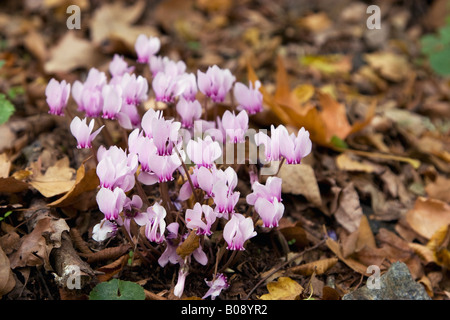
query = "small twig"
x=282 y=265
x=187 y=174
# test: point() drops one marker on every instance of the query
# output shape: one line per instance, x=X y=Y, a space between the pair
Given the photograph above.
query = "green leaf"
x=6 y=108
x=338 y=142
x=116 y=289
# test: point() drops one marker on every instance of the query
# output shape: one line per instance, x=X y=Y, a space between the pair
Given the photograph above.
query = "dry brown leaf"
x=189 y=245
x=334 y=116
x=315 y=22
x=72 y=52
x=12 y=185
x=439 y=189
x=391 y=66
x=316 y=267
x=283 y=289
x=365 y=235
x=56 y=180
x=425 y=281
x=114 y=22
x=350 y=262
x=36 y=246
x=349 y=212
x=428 y=216
x=85 y=181
x=5 y=166
x=439 y=245
x=295 y=232
x=7 y=281
x=300 y=179
x=423 y=252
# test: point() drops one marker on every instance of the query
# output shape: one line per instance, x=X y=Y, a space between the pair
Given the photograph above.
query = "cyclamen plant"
x=159 y=150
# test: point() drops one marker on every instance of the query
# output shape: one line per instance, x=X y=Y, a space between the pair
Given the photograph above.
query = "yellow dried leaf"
x=344 y=162
x=283 y=289
x=318 y=267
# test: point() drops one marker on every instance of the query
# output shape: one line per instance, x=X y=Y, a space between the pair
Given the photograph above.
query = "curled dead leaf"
x=318 y=267
x=189 y=245
x=439 y=245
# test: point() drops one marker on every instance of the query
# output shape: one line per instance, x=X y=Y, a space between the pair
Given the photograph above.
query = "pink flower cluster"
x=156 y=153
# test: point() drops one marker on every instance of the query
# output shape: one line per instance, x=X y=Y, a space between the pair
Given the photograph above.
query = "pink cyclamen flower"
x=248 y=98
x=179 y=287
x=164 y=64
x=103 y=230
x=146 y=47
x=215 y=83
x=295 y=148
x=83 y=133
x=200 y=218
x=116 y=169
x=238 y=230
x=88 y=95
x=132 y=211
x=270 y=212
x=111 y=202
x=270 y=191
x=189 y=111
x=167 y=87
x=272 y=143
x=165 y=135
x=161 y=169
x=235 y=126
x=118 y=66
x=203 y=152
x=112 y=101
x=224 y=199
x=57 y=94
x=190 y=86
x=155 y=227
x=134 y=89
x=216 y=286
